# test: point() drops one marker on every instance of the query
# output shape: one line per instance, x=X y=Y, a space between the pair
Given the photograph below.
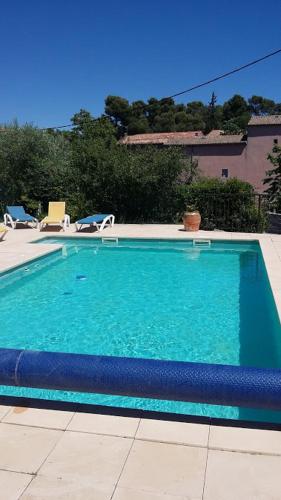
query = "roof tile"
x=182 y=138
x=265 y=120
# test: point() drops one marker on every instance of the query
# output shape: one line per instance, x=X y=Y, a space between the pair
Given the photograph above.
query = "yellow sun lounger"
x=56 y=215
x=3 y=231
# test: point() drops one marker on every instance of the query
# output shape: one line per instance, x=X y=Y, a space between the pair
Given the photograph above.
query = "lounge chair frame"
x=64 y=223
x=107 y=221
x=56 y=216
x=12 y=221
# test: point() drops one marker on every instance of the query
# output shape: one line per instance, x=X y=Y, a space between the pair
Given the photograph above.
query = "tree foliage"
x=273 y=179
x=261 y=106
x=33 y=165
x=214 y=115
x=164 y=115
x=89 y=169
x=136 y=185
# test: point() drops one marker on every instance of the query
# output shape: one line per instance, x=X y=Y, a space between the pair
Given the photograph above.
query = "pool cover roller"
x=143 y=378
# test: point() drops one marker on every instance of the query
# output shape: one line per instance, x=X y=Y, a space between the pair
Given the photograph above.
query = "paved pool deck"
x=48 y=453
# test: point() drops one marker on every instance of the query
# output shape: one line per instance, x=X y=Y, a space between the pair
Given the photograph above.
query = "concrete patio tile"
x=233 y=476
x=35 y=417
x=165 y=469
x=173 y=432
x=23 y=449
x=79 y=456
x=4 y=410
x=49 y=488
x=129 y=494
x=277 y=244
x=13 y=484
x=241 y=236
x=248 y=440
x=104 y=424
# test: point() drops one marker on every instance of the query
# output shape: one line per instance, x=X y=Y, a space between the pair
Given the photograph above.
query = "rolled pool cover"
x=143 y=378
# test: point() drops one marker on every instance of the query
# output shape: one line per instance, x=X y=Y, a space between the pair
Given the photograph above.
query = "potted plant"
x=191 y=218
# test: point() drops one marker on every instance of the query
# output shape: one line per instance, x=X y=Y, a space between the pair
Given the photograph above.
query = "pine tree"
x=212 y=117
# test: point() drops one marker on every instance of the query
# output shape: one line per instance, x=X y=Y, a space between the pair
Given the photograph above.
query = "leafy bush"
x=273 y=179
x=33 y=166
x=137 y=185
x=92 y=172
x=229 y=205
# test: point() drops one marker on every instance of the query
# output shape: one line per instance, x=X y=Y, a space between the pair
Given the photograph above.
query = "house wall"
x=212 y=158
x=246 y=161
x=260 y=143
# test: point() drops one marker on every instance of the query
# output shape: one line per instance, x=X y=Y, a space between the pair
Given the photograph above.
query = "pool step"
x=109 y=240
x=201 y=243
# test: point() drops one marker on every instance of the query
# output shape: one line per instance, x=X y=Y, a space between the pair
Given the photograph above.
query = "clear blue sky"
x=58 y=56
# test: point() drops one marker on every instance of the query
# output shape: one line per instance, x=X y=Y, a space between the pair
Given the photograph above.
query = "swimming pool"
x=159 y=299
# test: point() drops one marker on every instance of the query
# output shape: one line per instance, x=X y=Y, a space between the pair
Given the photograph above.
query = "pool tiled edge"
x=40 y=447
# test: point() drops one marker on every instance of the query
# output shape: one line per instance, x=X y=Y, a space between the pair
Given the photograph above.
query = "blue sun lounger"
x=98 y=220
x=16 y=214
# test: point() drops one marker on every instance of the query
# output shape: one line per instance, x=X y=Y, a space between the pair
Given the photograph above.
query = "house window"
x=224 y=173
x=275 y=141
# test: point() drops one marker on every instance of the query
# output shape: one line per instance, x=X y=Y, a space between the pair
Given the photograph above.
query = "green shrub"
x=229 y=205
x=92 y=172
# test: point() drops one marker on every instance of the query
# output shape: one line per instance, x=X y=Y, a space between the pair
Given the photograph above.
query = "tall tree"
x=236 y=109
x=164 y=115
x=213 y=115
x=261 y=106
x=137 y=121
x=34 y=165
x=118 y=109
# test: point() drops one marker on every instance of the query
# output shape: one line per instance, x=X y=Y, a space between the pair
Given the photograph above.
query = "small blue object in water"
x=67 y=293
x=81 y=277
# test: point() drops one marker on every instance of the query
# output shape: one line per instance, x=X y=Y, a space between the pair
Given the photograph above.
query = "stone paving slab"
x=173 y=432
x=13 y=484
x=24 y=449
x=87 y=459
x=165 y=469
x=132 y=494
x=104 y=424
x=247 y=440
x=3 y=411
x=50 y=419
x=240 y=476
x=53 y=488
x=79 y=464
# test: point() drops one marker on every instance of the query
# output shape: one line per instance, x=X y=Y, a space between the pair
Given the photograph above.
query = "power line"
x=224 y=75
x=190 y=89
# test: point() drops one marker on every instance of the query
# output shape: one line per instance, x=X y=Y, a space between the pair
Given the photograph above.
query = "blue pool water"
x=147 y=299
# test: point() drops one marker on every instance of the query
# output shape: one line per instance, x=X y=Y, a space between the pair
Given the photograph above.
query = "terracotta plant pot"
x=191 y=221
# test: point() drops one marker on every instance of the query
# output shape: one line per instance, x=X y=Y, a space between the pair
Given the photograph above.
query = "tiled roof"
x=206 y=139
x=215 y=133
x=265 y=120
x=182 y=138
x=161 y=137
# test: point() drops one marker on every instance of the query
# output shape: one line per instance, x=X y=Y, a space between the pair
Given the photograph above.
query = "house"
x=224 y=156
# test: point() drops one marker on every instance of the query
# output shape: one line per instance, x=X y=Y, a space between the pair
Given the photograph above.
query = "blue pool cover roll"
x=143 y=378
